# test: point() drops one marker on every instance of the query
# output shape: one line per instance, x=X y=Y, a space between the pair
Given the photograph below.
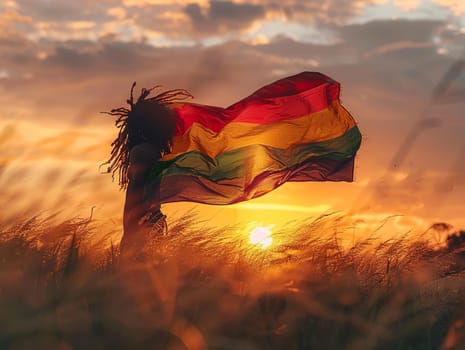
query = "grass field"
x=64 y=286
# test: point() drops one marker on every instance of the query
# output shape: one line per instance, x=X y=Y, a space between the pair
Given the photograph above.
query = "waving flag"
x=294 y=129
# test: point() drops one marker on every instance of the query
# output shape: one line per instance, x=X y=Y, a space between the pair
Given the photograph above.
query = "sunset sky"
x=64 y=61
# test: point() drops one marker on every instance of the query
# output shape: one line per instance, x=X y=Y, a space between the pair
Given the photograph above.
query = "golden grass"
x=64 y=286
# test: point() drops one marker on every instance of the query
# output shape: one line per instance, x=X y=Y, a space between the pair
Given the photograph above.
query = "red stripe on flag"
x=288 y=98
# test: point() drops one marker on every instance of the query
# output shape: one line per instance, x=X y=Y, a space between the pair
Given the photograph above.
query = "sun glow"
x=261 y=236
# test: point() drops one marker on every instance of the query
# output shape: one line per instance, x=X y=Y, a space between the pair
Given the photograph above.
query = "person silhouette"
x=145 y=133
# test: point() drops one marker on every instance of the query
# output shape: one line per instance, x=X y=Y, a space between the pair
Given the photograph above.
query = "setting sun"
x=261 y=236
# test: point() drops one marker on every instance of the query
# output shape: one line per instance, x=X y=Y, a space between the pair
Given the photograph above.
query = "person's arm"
x=142 y=158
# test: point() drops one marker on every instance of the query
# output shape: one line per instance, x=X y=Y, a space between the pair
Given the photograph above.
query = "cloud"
x=189 y=20
x=144 y=3
x=63 y=11
x=457 y=7
x=380 y=33
x=407 y=5
x=117 y=12
x=9 y=21
x=327 y=11
x=397 y=46
x=223 y=16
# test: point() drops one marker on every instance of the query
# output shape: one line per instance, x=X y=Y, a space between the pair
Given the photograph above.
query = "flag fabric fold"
x=294 y=129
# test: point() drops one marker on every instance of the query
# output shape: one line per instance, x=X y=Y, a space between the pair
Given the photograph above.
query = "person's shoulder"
x=144 y=152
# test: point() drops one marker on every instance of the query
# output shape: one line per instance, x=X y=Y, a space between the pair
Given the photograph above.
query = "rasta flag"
x=294 y=129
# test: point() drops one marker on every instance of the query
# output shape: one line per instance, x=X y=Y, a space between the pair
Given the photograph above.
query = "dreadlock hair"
x=147 y=120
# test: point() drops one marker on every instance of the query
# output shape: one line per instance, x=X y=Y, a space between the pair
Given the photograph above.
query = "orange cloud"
x=9 y=19
x=117 y=12
x=456 y=6
x=407 y=5
x=142 y=3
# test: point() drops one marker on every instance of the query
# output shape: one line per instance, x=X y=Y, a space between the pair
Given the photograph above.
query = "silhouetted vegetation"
x=208 y=288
